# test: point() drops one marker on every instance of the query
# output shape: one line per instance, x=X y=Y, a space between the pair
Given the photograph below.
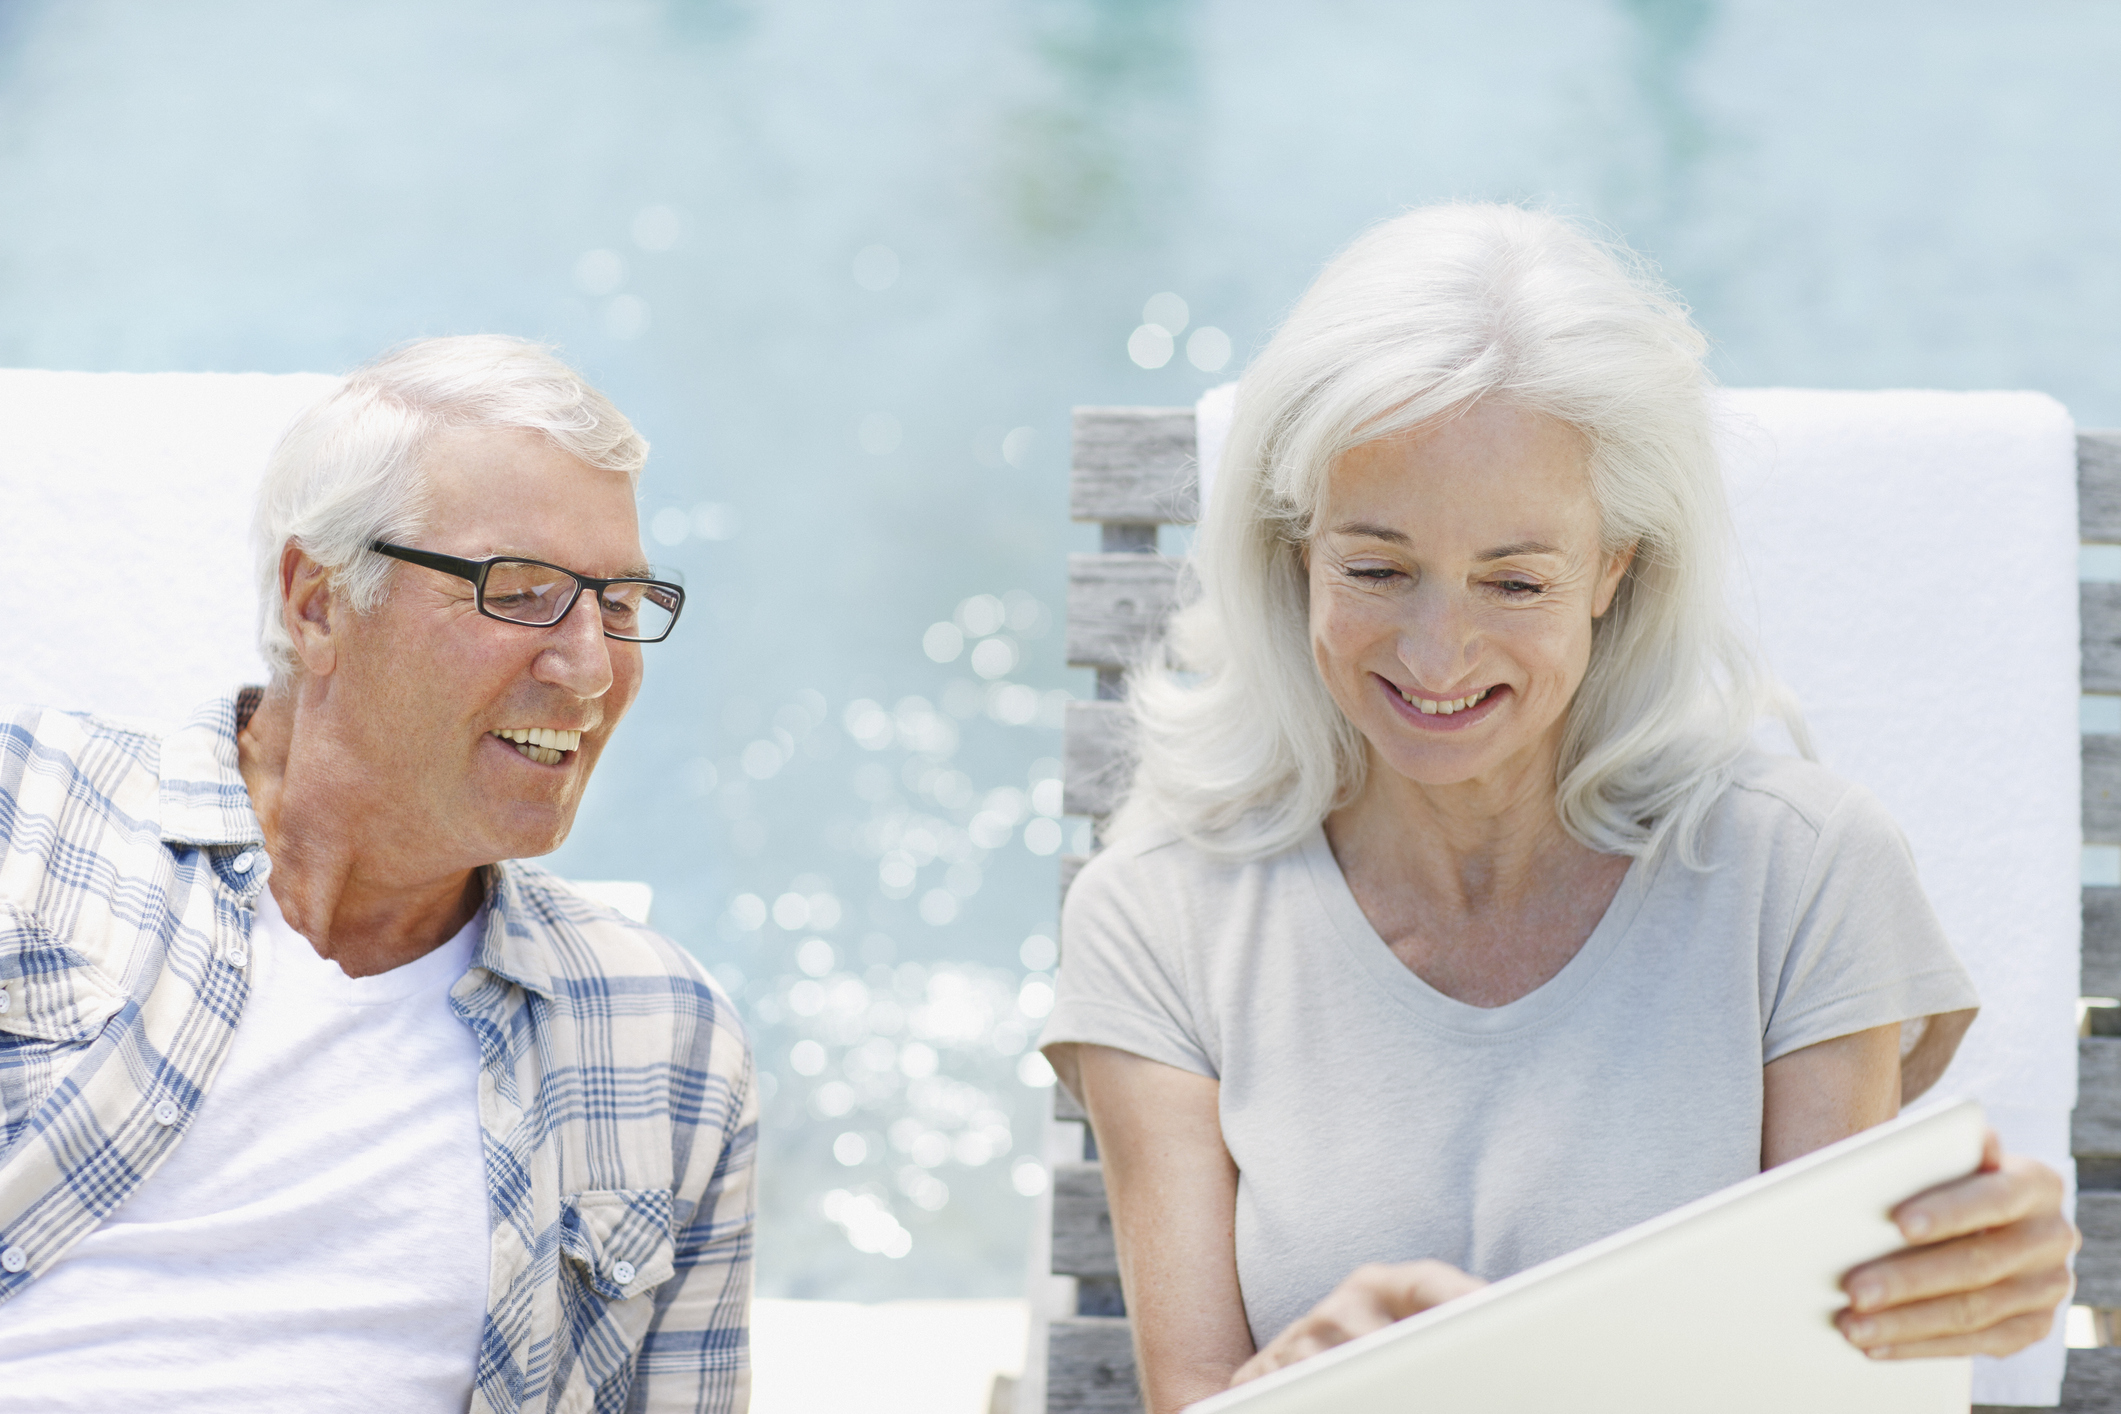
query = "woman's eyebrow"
x=1395 y=537
x=1374 y=532
x=1521 y=547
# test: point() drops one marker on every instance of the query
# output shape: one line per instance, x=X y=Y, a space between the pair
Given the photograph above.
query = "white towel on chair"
x=125 y=506
x=1909 y=566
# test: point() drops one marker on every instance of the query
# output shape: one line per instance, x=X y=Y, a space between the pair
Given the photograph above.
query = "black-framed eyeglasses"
x=532 y=592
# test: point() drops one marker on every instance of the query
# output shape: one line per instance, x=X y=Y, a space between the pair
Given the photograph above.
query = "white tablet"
x=1724 y=1306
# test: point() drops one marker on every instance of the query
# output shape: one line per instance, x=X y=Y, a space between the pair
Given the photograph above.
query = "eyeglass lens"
x=528 y=593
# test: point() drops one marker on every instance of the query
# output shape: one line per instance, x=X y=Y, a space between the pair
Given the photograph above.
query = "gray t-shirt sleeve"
x=1864 y=948
x=1121 y=969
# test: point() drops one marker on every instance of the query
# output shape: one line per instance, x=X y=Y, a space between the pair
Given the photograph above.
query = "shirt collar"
x=509 y=944
x=204 y=800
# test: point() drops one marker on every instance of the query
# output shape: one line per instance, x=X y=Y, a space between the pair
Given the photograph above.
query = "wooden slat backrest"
x=1134 y=472
x=2094 y=1380
x=1133 y=466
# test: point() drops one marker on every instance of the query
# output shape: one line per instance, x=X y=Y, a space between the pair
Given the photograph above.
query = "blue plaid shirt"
x=616 y=1103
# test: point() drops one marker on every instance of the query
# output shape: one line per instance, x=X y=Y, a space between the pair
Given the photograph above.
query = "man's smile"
x=544 y=745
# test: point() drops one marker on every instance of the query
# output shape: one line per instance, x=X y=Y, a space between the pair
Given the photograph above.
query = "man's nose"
x=576 y=655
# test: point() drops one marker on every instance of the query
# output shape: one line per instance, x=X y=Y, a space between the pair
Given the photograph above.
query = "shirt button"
x=14 y=1259
x=242 y=862
x=237 y=957
x=622 y=1272
x=6 y=1001
x=165 y=1112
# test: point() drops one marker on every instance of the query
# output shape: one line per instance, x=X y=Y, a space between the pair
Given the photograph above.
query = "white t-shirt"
x=1373 y=1118
x=318 y=1240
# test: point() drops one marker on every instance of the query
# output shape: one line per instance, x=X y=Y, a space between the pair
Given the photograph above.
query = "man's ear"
x=306 y=609
x=1609 y=585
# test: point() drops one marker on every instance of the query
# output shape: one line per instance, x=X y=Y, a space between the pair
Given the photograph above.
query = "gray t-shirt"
x=1372 y=1118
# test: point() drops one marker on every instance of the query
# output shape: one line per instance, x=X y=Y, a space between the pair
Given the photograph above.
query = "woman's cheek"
x=1341 y=632
x=1556 y=652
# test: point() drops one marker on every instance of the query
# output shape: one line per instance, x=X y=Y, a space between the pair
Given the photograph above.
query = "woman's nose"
x=1436 y=641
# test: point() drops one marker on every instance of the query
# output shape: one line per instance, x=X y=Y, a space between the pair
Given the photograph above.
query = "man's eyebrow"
x=639 y=569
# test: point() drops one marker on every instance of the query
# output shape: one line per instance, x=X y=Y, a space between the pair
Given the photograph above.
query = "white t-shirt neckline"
x=314 y=975
x=1369 y=952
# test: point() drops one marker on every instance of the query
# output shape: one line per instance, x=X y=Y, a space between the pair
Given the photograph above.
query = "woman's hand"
x=1372 y=1297
x=1987 y=1279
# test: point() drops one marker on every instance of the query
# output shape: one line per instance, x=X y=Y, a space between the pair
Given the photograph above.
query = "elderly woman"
x=1451 y=923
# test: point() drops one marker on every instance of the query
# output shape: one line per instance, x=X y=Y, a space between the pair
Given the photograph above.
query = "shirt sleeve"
x=696 y=1355
x=1122 y=973
x=1865 y=948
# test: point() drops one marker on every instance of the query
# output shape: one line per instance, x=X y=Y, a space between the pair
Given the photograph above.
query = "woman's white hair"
x=1243 y=751
x=348 y=472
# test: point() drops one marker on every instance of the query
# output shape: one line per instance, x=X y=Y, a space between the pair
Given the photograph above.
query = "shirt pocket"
x=619 y=1239
x=619 y=1249
x=48 y=991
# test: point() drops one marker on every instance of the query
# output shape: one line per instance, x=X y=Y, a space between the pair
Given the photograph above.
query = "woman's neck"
x=1468 y=847
x=1475 y=887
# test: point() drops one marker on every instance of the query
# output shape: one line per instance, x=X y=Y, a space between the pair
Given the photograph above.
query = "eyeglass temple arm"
x=427 y=559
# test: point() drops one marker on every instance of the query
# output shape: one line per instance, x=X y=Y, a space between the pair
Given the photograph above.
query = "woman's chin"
x=1471 y=760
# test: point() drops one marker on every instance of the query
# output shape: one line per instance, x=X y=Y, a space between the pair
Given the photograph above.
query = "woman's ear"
x=1609 y=583
x=306 y=601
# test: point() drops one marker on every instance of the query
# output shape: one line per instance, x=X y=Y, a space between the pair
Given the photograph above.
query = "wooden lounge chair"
x=1132 y=472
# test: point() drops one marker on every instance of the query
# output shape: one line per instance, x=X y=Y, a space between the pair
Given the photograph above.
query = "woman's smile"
x=1449 y=714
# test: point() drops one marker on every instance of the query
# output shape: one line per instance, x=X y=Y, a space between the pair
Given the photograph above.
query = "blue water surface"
x=849 y=266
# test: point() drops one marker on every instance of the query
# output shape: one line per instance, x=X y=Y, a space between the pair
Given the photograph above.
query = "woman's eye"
x=1372 y=573
x=1519 y=587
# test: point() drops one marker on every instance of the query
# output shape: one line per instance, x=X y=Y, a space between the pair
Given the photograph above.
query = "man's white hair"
x=348 y=472
x=1244 y=751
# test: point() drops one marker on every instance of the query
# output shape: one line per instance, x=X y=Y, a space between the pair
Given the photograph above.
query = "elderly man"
x=316 y=1097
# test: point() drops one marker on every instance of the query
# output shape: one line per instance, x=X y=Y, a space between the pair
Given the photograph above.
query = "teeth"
x=546 y=738
x=1444 y=709
x=544 y=745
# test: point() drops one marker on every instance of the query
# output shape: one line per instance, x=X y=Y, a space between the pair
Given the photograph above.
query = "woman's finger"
x=2016 y=1188
x=1962 y=1264
x=1982 y=1321
x=1372 y=1298
x=1414 y=1287
x=2008 y=1338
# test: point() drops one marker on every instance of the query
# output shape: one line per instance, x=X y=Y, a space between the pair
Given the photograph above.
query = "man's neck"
x=357 y=892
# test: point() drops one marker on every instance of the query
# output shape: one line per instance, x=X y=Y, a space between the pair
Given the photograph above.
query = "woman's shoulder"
x=1161 y=860
x=1788 y=799
x=1154 y=882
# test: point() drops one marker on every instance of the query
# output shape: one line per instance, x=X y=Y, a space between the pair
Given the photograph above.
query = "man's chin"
x=524 y=829
x=531 y=842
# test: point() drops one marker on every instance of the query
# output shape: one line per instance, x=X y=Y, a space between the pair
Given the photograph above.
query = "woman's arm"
x=1993 y=1266
x=1173 y=1190
x=1827 y=1092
